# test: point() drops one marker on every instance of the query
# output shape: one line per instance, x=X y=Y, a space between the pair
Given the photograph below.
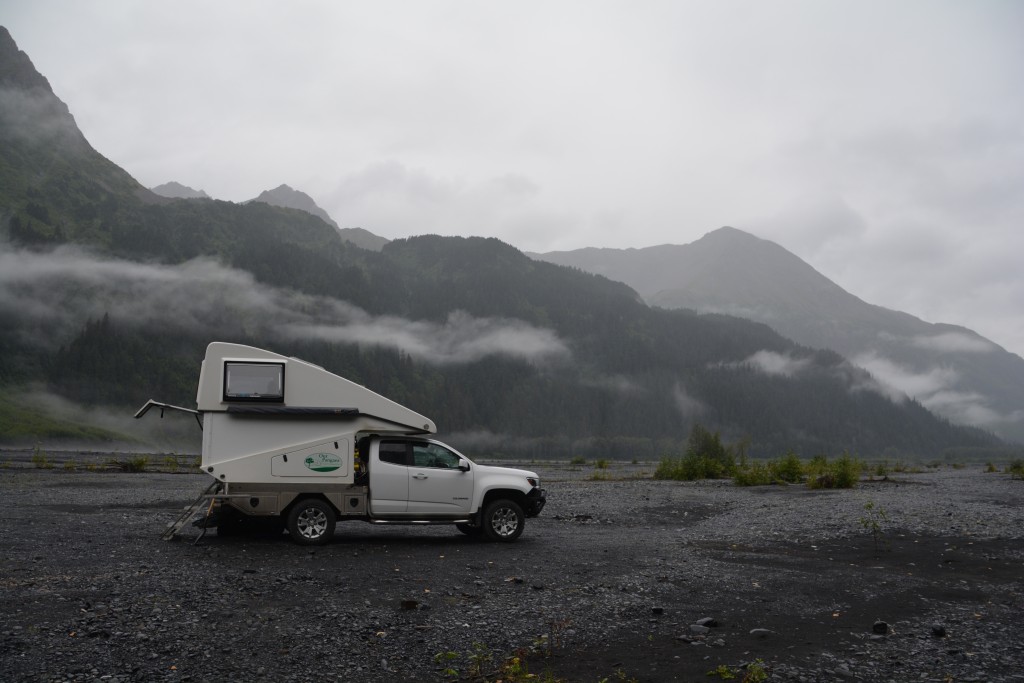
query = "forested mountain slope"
x=112 y=293
x=950 y=369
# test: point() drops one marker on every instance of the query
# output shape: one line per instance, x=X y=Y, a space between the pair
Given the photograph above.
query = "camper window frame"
x=253 y=399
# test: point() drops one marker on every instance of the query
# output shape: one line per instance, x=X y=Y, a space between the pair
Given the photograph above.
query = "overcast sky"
x=881 y=141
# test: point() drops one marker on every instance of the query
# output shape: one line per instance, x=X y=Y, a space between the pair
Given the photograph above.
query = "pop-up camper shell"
x=278 y=430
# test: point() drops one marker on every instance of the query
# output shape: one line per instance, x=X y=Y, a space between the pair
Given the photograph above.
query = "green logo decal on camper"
x=323 y=462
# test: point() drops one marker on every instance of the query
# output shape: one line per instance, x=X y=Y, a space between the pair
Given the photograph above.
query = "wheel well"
x=307 y=496
x=511 y=494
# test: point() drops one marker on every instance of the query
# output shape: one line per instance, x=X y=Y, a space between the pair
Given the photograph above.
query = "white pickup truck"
x=293 y=446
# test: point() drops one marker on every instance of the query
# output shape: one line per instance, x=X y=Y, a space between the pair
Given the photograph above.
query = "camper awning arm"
x=167 y=406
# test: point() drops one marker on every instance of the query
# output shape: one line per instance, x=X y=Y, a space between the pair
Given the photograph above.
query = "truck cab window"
x=432 y=455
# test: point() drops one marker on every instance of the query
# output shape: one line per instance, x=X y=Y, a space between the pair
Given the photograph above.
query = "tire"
x=469 y=529
x=503 y=521
x=311 y=522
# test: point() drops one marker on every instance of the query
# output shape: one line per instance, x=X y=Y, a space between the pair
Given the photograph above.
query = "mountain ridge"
x=175 y=190
x=733 y=272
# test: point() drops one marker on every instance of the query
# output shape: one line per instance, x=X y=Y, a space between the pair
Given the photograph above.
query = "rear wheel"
x=311 y=522
x=503 y=521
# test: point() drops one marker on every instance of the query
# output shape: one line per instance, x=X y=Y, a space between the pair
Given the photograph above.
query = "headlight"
x=534 y=481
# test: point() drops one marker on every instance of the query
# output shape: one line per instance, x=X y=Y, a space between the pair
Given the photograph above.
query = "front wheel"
x=311 y=522
x=503 y=521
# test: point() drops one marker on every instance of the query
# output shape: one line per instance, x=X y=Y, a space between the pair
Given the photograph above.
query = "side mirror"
x=463 y=465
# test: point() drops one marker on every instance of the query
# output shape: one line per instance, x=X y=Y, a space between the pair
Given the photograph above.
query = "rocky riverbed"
x=919 y=577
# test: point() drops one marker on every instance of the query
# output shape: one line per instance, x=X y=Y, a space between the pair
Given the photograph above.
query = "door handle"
x=419 y=475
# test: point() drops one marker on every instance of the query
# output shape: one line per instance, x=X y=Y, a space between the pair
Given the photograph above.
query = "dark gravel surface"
x=609 y=582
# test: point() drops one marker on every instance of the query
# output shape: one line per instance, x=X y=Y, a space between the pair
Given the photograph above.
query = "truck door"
x=389 y=479
x=436 y=484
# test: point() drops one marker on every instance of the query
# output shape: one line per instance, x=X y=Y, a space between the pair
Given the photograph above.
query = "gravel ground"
x=609 y=582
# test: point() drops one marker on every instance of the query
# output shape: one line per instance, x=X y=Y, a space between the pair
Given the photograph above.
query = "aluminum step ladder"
x=174 y=527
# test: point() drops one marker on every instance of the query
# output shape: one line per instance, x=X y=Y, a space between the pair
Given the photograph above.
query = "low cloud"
x=175 y=435
x=936 y=389
x=51 y=295
x=687 y=405
x=773 y=363
x=619 y=384
x=461 y=339
x=953 y=342
x=35 y=115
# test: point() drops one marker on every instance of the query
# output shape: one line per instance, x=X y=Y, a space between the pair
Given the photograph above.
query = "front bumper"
x=535 y=501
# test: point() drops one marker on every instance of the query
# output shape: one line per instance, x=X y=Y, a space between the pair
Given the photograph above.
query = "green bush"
x=786 y=470
x=789 y=469
x=136 y=463
x=1016 y=469
x=706 y=458
x=754 y=474
x=842 y=473
x=40 y=459
x=691 y=467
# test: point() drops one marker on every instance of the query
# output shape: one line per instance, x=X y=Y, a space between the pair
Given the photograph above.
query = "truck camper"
x=292 y=446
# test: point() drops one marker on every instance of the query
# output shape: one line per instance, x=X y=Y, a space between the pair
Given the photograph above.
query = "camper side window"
x=253 y=381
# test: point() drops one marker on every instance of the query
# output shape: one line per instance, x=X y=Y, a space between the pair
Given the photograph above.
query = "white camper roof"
x=246 y=380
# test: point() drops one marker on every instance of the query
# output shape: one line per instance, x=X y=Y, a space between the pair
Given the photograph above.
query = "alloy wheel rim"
x=505 y=522
x=312 y=523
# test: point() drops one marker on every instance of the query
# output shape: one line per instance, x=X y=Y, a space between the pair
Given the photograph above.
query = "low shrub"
x=789 y=469
x=40 y=459
x=691 y=467
x=706 y=458
x=136 y=463
x=1016 y=469
x=754 y=474
x=841 y=473
x=786 y=470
